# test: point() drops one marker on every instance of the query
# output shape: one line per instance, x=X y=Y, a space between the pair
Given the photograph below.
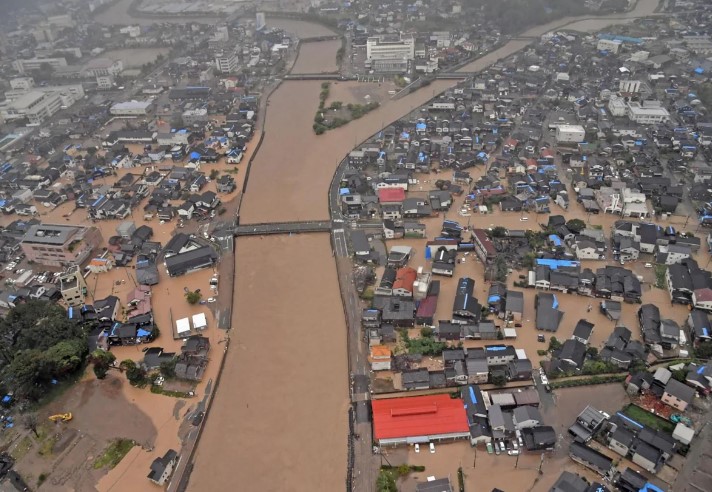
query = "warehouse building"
x=419 y=419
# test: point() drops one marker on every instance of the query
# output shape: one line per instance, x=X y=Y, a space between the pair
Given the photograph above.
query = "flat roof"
x=418 y=416
x=182 y=325
x=50 y=234
x=199 y=321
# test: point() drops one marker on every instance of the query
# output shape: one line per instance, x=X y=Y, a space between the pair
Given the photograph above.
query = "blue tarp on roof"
x=142 y=333
x=649 y=487
x=556 y=240
x=195 y=155
x=555 y=264
x=472 y=395
x=699 y=70
x=344 y=191
x=555 y=304
x=492 y=299
x=421 y=126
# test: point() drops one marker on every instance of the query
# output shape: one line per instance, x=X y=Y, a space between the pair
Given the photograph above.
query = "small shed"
x=126 y=229
x=199 y=321
x=683 y=434
x=183 y=327
x=510 y=333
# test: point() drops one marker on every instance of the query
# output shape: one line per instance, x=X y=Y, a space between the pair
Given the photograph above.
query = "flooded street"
x=279 y=420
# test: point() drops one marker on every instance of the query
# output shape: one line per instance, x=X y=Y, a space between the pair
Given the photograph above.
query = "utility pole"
x=541 y=462
x=516 y=463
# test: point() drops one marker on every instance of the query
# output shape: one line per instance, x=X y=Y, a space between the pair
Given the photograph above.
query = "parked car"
x=432 y=447
x=417 y=448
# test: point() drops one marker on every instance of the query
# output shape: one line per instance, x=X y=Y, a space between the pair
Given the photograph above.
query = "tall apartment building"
x=27 y=65
x=73 y=287
x=60 y=245
x=36 y=106
x=226 y=63
x=390 y=53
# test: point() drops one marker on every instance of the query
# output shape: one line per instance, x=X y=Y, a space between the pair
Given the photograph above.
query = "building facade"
x=60 y=245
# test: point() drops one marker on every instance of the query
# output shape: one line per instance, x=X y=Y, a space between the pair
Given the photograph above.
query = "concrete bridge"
x=316 y=76
x=453 y=75
x=283 y=228
x=320 y=38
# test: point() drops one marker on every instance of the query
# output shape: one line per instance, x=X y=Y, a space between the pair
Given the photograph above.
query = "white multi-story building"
x=617 y=106
x=30 y=64
x=647 y=113
x=22 y=83
x=103 y=66
x=570 y=133
x=37 y=106
x=629 y=86
x=104 y=82
x=226 y=62
x=390 y=53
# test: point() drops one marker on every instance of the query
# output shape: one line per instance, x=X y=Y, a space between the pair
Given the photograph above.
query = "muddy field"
x=280 y=414
x=317 y=57
x=135 y=58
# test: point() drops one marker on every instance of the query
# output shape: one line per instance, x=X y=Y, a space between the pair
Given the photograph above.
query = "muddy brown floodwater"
x=317 y=57
x=279 y=419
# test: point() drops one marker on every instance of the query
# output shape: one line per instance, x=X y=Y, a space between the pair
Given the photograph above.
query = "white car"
x=432 y=447
x=212 y=299
x=523 y=219
x=417 y=448
x=648 y=265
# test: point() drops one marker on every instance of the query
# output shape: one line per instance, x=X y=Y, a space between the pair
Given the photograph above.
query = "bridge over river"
x=283 y=228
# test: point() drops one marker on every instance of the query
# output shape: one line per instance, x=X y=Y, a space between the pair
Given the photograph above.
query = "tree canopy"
x=39 y=344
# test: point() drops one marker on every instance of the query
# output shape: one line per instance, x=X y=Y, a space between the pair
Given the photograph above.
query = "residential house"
x=162 y=468
x=526 y=417
x=514 y=306
x=548 y=316
x=380 y=358
x=678 y=395
x=590 y=458
x=583 y=331
x=570 y=357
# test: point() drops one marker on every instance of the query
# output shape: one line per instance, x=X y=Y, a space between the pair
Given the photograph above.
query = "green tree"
x=168 y=368
x=426 y=332
x=28 y=374
x=193 y=297
x=102 y=360
x=704 y=350
x=214 y=173
x=576 y=225
x=134 y=373
x=554 y=344
x=65 y=357
x=499 y=380
x=592 y=351
x=498 y=231
x=386 y=482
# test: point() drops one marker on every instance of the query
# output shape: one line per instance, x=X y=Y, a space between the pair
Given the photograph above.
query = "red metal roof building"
x=391 y=195
x=419 y=419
